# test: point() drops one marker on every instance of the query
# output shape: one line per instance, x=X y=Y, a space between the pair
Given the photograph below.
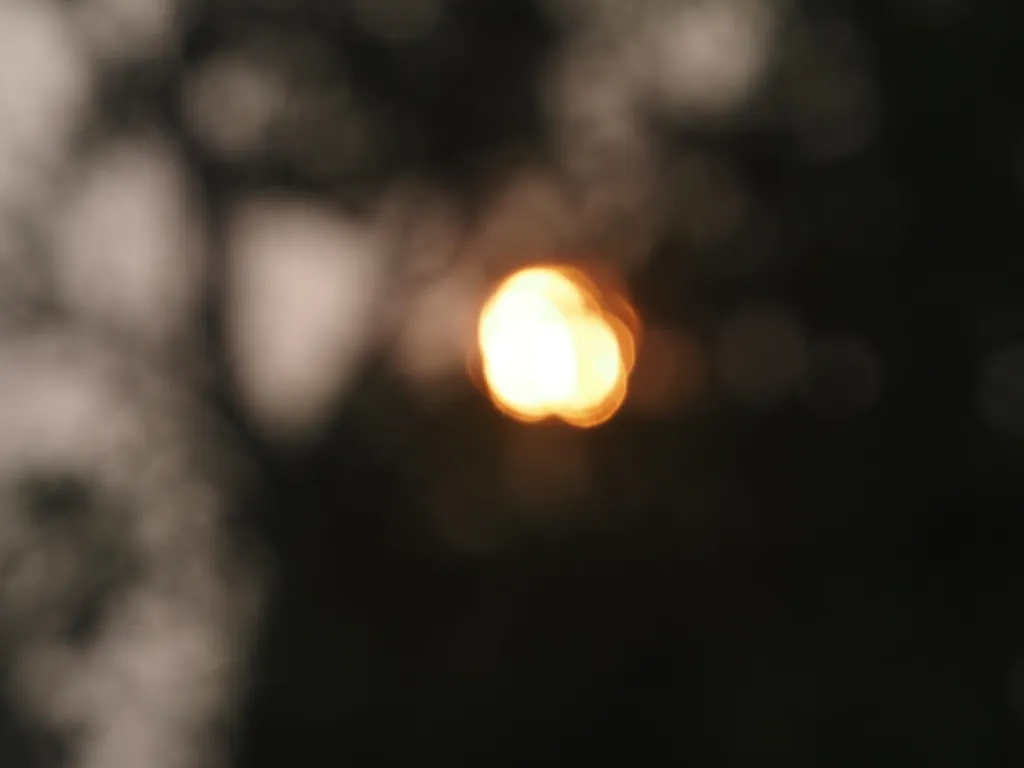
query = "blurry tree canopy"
x=242 y=245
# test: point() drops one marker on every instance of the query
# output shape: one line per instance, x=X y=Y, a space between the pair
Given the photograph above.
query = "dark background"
x=738 y=584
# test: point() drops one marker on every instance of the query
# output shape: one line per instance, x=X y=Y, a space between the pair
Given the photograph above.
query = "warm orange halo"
x=549 y=348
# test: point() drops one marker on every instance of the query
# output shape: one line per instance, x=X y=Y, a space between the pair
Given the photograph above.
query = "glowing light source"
x=550 y=348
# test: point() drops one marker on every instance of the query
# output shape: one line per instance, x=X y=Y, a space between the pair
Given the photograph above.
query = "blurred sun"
x=550 y=349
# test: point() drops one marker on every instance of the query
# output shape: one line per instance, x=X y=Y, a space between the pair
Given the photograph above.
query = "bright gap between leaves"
x=549 y=348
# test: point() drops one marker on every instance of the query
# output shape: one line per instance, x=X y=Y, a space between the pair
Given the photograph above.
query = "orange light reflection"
x=549 y=348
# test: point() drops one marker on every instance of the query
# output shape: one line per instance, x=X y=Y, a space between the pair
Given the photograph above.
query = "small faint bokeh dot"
x=1000 y=389
x=761 y=355
x=844 y=378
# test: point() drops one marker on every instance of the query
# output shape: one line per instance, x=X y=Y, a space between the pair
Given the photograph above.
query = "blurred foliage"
x=819 y=563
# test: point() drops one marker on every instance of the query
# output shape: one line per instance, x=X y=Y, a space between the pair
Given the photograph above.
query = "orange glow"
x=550 y=349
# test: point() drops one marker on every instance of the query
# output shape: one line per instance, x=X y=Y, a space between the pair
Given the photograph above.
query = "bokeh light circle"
x=551 y=347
